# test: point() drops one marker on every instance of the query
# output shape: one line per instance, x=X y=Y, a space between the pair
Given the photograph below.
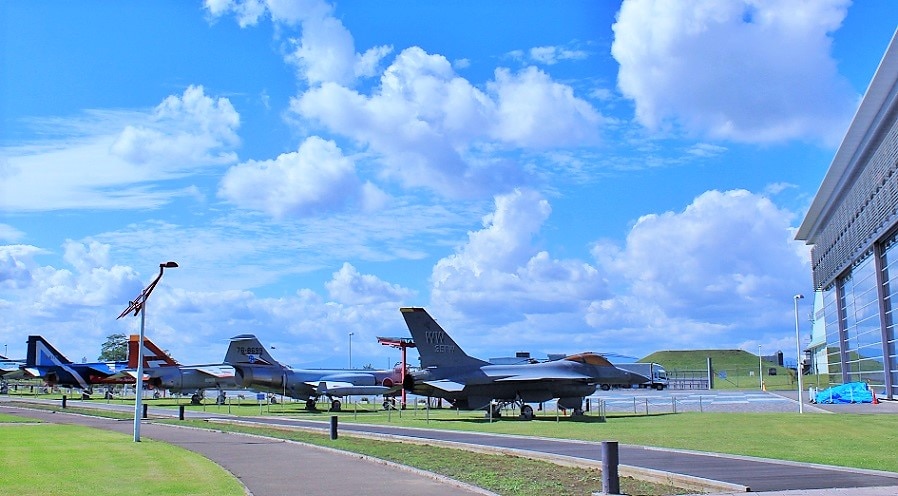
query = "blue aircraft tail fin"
x=42 y=353
x=434 y=345
x=246 y=349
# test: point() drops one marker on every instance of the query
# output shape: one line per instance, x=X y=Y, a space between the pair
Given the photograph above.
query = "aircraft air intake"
x=408 y=383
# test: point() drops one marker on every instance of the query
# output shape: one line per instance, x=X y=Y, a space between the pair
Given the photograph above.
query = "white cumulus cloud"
x=314 y=178
x=350 y=287
x=432 y=128
x=749 y=71
x=720 y=271
x=500 y=272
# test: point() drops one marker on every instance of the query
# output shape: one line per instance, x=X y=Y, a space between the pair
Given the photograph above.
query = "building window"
x=890 y=292
x=833 y=337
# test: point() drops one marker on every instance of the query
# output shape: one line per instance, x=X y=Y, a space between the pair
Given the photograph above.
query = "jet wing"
x=446 y=385
x=342 y=388
x=103 y=369
x=37 y=372
x=546 y=375
x=124 y=374
x=328 y=385
x=7 y=366
x=217 y=371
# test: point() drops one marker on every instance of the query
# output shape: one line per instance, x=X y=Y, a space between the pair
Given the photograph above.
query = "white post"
x=138 y=383
x=798 y=354
x=350 y=349
x=760 y=370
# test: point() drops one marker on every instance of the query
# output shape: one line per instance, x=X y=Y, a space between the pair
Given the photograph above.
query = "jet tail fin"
x=153 y=356
x=42 y=353
x=434 y=345
x=246 y=349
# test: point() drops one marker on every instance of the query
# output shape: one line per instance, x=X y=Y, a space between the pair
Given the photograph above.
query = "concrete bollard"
x=63 y=401
x=181 y=412
x=144 y=410
x=333 y=427
x=610 y=479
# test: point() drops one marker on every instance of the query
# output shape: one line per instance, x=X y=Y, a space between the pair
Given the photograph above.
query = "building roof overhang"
x=876 y=104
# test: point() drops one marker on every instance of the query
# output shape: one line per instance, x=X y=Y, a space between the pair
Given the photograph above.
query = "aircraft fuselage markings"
x=249 y=350
x=437 y=338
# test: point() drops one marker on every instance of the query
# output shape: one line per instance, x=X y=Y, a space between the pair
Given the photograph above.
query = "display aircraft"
x=161 y=371
x=469 y=383
x=11 y=369
x=256 y=369
x=45 y=362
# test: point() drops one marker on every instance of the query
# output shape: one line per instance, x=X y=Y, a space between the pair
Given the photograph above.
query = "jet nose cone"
x=637 y=378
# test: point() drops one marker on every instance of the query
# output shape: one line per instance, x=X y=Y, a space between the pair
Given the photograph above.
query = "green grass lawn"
x=52 y=459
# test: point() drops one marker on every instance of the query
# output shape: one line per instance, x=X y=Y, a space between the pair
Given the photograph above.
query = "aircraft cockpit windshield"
x=590 y=359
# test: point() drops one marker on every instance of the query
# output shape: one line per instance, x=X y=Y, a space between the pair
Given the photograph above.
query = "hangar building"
x=853 y=227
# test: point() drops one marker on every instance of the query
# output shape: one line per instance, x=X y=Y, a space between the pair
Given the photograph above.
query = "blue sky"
x=621 y=177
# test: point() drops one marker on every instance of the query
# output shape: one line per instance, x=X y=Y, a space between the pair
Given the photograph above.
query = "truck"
x=656 y=373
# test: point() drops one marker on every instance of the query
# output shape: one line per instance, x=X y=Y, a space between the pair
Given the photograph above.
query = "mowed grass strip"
x=53 y=459
x=14 y=419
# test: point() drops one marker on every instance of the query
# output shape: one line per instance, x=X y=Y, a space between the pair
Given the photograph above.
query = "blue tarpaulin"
x=852 y=392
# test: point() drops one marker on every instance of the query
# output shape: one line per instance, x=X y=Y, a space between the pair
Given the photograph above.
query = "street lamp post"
x=139 y=306
x=350 y=349
x=798 y=354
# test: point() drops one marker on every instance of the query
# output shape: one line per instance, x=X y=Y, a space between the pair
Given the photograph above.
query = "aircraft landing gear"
x=496 y=409
x=389 y=403
x=310 y=405
x=196 y=399
x=578 y=412
x=335 y=405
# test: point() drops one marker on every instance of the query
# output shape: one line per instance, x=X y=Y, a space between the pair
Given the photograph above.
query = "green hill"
x=697 y=359
x=731 y=368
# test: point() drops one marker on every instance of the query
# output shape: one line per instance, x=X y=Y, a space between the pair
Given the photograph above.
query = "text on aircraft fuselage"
x=437 y=338
x=249 y=350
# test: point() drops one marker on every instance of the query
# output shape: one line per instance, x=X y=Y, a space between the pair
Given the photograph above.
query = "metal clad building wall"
x=866 y=212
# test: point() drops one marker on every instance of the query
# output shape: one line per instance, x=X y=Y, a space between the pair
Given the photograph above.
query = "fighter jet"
x=161 y=371
x=256 y=369
x=11 y=369
x=45 y=362
x=469 y=383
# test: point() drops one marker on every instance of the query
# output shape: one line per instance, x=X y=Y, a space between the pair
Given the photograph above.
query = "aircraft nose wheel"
x=310 y=405
x=527 y=412
x=335 y=406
